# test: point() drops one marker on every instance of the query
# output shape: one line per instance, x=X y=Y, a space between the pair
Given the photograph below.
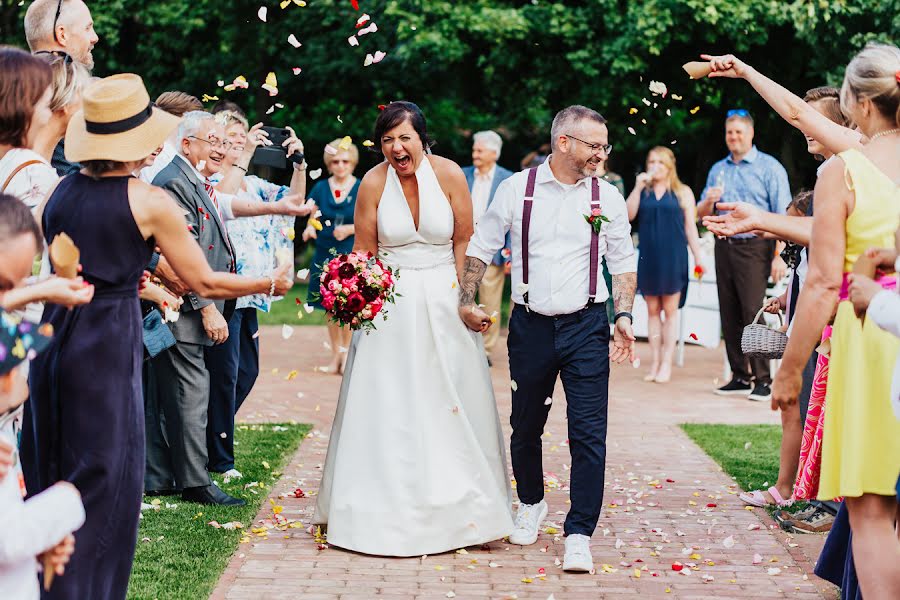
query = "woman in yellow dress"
x=857 y=207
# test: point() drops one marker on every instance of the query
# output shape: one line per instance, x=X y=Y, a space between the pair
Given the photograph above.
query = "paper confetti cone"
x=49 y=573
x=697 y=69
x=64 y=255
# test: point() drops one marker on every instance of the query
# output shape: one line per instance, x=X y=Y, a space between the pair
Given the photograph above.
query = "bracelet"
x=241 y=168
x=300 y=167
x=272 y=286
x=623 y=314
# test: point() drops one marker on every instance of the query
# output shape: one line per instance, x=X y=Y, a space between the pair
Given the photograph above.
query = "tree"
x=502 y=64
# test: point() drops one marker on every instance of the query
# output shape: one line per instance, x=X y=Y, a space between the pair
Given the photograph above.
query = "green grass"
x=751 y=467
x=184 y=556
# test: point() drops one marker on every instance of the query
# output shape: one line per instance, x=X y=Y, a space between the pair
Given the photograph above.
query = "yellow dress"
x=861 y=442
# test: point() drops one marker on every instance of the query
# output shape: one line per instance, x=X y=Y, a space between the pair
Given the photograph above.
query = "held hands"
x=739 y=217
x=284 y=278
x=727 y=65
x=862 y=290
x=215 y=324
x=475 y=318
x=884 y=257
x=623 y=342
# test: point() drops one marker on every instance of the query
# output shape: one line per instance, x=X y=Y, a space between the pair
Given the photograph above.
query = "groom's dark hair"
x=396 y=113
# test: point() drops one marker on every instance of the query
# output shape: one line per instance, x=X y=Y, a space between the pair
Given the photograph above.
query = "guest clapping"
x=667 y=226
x=336 y=198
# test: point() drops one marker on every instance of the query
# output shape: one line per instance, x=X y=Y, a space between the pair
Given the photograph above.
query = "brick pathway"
x=665 y=502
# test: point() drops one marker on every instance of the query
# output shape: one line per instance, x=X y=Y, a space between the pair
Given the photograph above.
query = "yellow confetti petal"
x=368 y=143
x=345 y=143
x=632 y=111
x=637 y=573
x=694 y=110
x=316 y=224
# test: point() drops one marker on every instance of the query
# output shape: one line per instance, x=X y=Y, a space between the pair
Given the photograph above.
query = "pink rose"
x=595 y=212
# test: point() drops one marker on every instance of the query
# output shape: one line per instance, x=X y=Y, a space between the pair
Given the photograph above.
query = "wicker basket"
x=761 y=341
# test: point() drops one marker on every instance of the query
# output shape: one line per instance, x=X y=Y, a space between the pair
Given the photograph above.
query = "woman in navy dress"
x=336 y=199
x=666 y=225
x=85 y=417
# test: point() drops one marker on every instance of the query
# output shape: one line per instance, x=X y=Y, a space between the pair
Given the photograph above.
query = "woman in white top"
x=416 y=462
x=25 y=170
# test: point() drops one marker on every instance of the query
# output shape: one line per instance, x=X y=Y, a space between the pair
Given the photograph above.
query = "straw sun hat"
x=118 y=122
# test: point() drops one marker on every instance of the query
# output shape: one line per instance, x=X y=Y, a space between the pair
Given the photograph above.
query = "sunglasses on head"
x=66 y=58
x=737 y=112
x=56 y=18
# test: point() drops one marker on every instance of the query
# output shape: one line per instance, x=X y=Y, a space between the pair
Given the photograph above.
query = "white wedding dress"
x=416 y=461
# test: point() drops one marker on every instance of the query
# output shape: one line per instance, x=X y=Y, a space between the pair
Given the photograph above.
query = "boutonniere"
x=596 y=219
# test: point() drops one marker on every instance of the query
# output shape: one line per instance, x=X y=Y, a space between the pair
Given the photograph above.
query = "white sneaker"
x=578 y=554
x=528 y=521
x=231 y=474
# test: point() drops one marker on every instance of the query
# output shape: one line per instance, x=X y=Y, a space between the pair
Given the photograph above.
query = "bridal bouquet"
x=354 y=288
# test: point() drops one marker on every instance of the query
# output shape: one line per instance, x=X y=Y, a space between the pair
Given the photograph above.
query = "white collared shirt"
x=559 y=239
x=481 y=192
x=163 y=159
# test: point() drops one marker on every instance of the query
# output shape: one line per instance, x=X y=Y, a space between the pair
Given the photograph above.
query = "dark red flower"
x=369 y=293
x=346 y=271
x=355 y=302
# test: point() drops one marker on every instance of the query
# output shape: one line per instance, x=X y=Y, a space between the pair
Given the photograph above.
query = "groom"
x=559 y=325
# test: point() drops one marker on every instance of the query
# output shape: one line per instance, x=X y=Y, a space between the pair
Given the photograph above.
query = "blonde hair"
x=874 y=74
x=353 y=151
x=227 y=118
x=69 y=80
x=667 y=157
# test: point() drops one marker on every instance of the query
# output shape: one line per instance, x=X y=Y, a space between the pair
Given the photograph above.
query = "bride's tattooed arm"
x=473 y=272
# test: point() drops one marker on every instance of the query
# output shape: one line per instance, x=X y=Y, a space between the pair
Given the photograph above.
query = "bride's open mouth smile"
x=403 y=161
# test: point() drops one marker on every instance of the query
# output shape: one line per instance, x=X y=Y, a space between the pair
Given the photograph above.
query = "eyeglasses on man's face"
x=594 y=148
x=213 y=142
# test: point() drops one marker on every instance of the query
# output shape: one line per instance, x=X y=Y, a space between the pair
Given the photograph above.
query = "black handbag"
x=157 y=335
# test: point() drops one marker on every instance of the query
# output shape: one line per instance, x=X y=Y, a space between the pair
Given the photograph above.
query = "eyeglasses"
x=595 y=148
x=737 y=112
x=215 y=143
x=66 y=58
x=56 y=19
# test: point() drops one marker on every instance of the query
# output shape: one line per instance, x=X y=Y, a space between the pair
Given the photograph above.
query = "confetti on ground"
x=287 y=331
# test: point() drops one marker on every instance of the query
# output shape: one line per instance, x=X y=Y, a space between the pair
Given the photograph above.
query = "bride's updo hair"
x=874 y=74
x=396 y=113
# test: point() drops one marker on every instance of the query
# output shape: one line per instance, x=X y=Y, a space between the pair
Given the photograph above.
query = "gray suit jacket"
x=500 y=175
x=203 y=221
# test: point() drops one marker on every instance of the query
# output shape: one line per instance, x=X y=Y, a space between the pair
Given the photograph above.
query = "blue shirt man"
x=744 y=263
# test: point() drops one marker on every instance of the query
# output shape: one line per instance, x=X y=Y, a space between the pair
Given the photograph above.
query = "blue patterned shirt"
x=758 y=179
x=256 y=239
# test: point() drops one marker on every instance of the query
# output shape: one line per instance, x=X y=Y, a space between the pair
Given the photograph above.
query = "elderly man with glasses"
x=745 y=262
x=64 y=28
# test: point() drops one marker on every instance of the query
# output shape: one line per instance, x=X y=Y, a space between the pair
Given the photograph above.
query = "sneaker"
x=761 y=393
x=735 y=387
x=528 y=520
x=578 y=554
x=231 y=474
x=819 y=522
x=786 y=519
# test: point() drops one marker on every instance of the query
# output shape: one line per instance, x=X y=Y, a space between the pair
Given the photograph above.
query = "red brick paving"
x=642 y=527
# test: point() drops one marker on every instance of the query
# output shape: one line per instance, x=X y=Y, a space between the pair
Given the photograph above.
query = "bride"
x=416 y=461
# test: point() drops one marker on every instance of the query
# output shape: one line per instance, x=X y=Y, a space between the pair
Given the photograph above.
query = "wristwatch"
x=624 y=314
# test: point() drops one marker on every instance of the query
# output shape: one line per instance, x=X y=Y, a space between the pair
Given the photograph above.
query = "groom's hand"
x=623 y=342
x=475 y=318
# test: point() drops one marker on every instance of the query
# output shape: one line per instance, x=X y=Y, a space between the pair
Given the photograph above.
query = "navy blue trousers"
x=233 y=368
x=574 y=347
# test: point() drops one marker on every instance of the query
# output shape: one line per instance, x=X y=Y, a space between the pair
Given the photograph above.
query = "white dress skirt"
x=416 y=460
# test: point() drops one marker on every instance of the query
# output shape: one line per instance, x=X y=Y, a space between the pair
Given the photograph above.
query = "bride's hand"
x=475 y=318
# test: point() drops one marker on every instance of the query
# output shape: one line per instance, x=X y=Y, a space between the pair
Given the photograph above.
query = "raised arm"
x=791 y=107
x=741 y=217
x=634 y=198
x=158 y=216
x=823 y=282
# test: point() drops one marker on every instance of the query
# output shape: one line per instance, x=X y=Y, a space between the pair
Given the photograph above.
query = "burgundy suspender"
x=526 y=225
x=595 y=241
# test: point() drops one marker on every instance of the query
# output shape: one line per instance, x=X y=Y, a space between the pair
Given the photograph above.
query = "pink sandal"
x=756 y=498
